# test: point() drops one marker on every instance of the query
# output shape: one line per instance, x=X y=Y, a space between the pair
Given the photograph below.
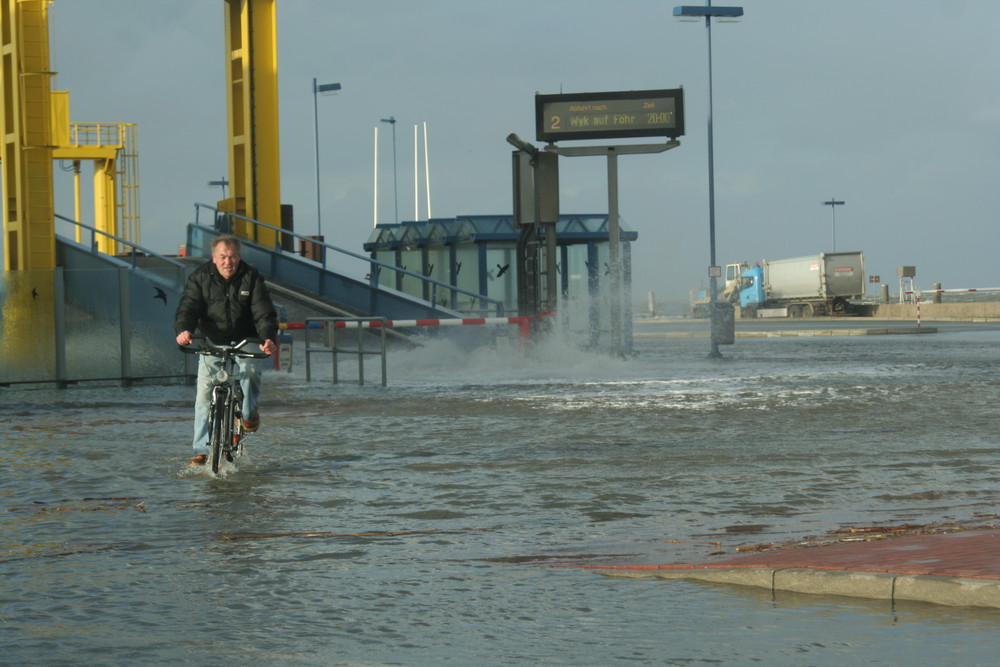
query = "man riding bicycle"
x=226 y=300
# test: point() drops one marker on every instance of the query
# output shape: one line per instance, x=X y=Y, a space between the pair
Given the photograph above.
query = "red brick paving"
x=974 y=555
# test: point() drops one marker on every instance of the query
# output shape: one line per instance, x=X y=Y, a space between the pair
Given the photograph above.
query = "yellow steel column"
x=236 y=112
x=106 y=205
x=61 y=137
x=252 y=105
x=27 y=325
x=25 y=127
x=76 y=199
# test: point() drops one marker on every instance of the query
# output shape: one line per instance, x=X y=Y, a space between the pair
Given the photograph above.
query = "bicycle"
x=225 y=429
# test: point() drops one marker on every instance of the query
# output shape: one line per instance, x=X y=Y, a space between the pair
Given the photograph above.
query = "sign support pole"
x=614 y=256
x=619 y=346
x=610 y=115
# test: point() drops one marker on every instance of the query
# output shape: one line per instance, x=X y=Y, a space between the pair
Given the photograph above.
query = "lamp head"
x=327 y=88
x=697 y=12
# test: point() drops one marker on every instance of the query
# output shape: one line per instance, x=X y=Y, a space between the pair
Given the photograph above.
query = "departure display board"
x=634 y=113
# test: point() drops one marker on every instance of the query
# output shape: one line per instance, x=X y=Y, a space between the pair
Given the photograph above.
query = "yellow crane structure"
x=27 y=328
x=26 y=132
x=113 y=148
x=35 y=128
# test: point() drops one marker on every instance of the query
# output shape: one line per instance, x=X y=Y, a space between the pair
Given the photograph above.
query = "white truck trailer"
x=816 y=285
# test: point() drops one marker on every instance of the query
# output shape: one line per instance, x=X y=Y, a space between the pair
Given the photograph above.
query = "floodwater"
x=423 y=523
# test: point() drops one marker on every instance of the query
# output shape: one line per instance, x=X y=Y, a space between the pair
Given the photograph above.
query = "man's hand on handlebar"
x=267 y=347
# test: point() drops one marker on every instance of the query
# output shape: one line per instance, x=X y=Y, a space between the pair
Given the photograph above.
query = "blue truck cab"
x=752 y=286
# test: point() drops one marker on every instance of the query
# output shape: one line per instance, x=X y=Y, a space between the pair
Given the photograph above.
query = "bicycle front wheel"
x=217 y=428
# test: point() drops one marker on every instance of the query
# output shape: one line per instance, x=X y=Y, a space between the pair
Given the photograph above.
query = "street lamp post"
x=688 y=12
x=222 y=183
x=320 y=89
x=833 y=204
x=395 y=192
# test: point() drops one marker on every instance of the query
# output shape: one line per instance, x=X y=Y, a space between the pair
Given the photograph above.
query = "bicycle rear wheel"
x=217 y=427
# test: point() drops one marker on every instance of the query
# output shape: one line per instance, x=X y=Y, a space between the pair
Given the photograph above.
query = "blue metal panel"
x=483 y=271
x=564 y=274
x=129 y=305
x=594 y=281
x=627 y=297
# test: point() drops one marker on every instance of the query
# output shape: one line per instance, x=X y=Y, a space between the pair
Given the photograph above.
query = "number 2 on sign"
x=555 y=123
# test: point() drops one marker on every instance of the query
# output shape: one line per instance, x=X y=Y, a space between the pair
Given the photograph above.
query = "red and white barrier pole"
x=523 y=323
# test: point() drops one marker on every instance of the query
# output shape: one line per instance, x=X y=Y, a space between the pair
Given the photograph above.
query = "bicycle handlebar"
x=205 y=346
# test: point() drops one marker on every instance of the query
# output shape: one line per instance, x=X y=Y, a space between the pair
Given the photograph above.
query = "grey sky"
x=890 y=105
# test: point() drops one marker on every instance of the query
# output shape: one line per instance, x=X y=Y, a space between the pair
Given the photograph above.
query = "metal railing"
x=99 y=134
x=135 y=251
x=329 y=326
x=376 y=265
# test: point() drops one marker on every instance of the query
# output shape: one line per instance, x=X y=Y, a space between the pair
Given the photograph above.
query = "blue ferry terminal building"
x=478 y=254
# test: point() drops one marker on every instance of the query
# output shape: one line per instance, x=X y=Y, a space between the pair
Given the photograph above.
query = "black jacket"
x=226 y=311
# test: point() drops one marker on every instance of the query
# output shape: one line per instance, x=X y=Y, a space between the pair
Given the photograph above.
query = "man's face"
x=226 y=258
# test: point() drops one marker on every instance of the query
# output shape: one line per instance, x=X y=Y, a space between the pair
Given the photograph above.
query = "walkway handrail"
x=331 y=347
x=373 y=280
x=134 y=246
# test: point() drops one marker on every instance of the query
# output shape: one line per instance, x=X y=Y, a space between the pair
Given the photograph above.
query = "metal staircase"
x=343 y=279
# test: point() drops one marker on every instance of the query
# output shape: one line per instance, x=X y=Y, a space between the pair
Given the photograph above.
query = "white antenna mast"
x=427 y=173
x=416 y=176
x=375 y=200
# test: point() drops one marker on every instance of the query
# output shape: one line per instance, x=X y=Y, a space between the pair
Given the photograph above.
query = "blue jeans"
x=247 y=372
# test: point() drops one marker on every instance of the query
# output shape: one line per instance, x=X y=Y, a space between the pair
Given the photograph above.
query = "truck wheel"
x=806 y=310
x=839 y=305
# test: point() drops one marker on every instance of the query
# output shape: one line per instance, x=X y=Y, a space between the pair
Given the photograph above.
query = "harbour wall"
x=982 y=311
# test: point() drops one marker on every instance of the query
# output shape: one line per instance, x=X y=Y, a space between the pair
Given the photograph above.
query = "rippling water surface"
x=419 y=524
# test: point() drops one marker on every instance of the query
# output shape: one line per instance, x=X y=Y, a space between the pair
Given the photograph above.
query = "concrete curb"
x=950 y=591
